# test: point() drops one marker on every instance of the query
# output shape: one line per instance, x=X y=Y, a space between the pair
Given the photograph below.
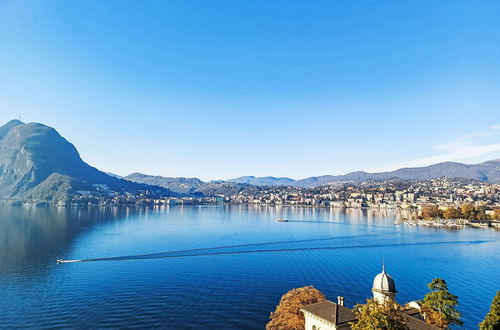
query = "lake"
x=238 y=263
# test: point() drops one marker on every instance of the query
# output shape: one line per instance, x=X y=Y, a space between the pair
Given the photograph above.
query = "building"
x=327 y=315
x=384 y=287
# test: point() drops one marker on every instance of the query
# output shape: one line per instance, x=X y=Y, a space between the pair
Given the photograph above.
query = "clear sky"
x=220 y=89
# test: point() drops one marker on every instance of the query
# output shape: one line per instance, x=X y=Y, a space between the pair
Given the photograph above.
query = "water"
x=223 y=289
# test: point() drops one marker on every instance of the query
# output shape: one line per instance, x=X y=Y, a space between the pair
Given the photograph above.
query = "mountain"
x=177 y=185
x=263 y=181
x=488 y=171
x=189 y=186
x=38 y=163
x=114 y=175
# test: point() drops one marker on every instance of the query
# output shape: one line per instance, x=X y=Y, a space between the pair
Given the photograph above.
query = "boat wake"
x=203 y=251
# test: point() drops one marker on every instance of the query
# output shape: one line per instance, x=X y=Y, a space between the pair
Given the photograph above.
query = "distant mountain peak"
x=14 y=122
x=8 y=126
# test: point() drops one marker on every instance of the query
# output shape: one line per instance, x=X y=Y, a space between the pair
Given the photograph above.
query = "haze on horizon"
x=223 y=89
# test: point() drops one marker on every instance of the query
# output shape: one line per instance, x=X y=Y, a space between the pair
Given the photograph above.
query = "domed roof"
x=384 y=283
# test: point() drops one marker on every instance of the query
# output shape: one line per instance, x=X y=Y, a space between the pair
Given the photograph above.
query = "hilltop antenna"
x=19 y=116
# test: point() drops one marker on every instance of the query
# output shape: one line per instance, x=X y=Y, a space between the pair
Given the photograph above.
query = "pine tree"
x=439 y=305
x=492 y=319
x=374 y=315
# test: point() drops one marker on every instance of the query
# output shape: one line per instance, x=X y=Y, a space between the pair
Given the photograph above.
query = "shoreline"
x=433 y=223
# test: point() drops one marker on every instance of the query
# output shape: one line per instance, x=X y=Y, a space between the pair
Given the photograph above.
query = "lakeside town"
x=436 y=202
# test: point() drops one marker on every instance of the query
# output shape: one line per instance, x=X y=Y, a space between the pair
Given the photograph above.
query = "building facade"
x=327 y=315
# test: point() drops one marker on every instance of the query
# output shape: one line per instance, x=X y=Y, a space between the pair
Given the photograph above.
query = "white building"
x=384 y=287
x=327 y=315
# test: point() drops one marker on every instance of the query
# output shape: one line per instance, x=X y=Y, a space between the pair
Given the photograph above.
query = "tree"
x=287 y=314
x=375 y=315
x=481 y=213
x=439 y=305
x=468 y=211
x=431 y=212
x=452 y=213
x=492 y=319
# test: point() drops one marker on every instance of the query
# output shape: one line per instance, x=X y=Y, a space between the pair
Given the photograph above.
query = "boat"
x=281 y=220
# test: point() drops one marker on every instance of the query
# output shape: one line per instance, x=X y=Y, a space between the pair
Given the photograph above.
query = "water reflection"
x=33 y=236
x=30 y=236
x=230 y=287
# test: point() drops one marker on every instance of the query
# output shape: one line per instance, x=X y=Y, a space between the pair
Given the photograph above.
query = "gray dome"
x=383 y=283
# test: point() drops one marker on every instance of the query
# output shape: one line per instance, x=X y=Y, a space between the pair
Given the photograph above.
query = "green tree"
x=374 y=315
x=439 y=305
x=287 y=314
x=492 y=319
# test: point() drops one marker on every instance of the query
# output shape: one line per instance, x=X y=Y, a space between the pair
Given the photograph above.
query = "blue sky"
x=220 y=89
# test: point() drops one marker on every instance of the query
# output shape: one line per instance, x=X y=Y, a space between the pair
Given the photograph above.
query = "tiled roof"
x=336 y=314
x=331 y=312
x=415 y=320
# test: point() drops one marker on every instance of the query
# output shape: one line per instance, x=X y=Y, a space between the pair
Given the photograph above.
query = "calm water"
x=223 y=289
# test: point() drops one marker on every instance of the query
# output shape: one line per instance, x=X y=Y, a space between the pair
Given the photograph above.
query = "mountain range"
x=488 y=171
x=37 y=163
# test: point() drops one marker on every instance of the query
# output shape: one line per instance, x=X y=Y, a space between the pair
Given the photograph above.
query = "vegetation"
x=492 y=319
x=374 y=315
x=466 y=211
x=287 y=314
x=438 y=307
x=431 y=212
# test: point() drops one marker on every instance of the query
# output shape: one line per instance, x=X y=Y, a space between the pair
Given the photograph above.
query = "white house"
x=327 y=315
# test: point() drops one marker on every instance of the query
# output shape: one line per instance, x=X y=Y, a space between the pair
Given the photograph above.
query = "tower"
x=384 y=287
